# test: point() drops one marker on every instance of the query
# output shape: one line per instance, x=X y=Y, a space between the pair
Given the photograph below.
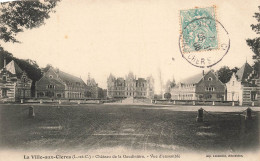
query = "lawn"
x=90 y=127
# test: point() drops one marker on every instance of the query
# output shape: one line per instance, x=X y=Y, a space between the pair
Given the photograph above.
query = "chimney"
x=4 y=62
x=57 y=70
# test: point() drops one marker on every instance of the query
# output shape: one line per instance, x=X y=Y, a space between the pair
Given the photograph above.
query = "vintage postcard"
x=129 y=80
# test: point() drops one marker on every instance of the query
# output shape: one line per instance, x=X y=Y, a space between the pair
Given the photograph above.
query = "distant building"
x=58 y=84
x=14 y=83
x=130 y=87
x=244 y=86
x=204 y=87
x=92 y=89
x=104 y=93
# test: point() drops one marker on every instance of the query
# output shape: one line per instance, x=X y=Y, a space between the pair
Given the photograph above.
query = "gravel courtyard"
x=138 y=127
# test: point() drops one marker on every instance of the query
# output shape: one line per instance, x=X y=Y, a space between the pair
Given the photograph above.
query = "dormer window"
x=24 y=78
x=50 y=76
x=210 y=89
x=51 y=86
x=209 y=79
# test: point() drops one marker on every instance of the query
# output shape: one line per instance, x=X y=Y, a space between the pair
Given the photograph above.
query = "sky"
x=118 y=36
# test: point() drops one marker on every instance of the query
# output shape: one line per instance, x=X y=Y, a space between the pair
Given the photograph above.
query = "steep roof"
x=13 y=68
x=192 y=79
x=49 y=80
x=141 y=80
x=120 y=81
x=69 y=78
x=243 y=73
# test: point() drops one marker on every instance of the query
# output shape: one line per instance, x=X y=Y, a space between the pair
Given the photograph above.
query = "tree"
x=254 y=43
x=167 y=95
x=224 y=73
x=19 y=15
x=169 y=84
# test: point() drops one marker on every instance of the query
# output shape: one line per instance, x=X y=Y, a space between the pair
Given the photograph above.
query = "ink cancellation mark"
x=203 y=40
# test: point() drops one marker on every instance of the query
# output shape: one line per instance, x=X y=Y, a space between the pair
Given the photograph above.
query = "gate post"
x=248 y=114
x=200 y=115
x=31 y=112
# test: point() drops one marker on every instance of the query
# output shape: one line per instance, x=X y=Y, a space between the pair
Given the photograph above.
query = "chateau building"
x=244 y=86
x=204 y=87
x=14 y=83
x=130 y=87
x=58 y=84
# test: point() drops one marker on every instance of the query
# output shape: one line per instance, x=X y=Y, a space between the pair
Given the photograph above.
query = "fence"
x=247 y=113
x=202 y=103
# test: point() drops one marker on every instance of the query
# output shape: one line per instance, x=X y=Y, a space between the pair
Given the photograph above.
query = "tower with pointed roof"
x=130 y=87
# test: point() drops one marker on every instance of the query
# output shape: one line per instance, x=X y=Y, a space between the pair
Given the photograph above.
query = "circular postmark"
x=204 y=42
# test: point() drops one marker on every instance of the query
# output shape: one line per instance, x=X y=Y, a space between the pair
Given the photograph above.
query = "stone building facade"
x=244 y=86
x=130 y=87
x=61 y=85
x=14 y=83
x=203 y=87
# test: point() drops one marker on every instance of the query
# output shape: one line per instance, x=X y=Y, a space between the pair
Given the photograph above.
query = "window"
x=58 y=95
x=208 y=96
x=210 y=89
x=233 y=83
x=51 y=86
x=50 y=76
x=210 y=79
x=4 y=93
x=253 y=95
x=50 y=94
x=221 y=96
x=40 y=94
x=4 y=78
x=23 y=79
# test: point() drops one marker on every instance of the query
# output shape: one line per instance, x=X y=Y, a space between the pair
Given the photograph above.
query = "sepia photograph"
x=129 y=80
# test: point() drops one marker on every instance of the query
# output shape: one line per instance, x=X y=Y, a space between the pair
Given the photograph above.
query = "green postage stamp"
x=199 y=29
x=203 y=41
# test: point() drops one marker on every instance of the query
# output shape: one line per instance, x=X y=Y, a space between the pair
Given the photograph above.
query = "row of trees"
x=254 y=43
x=17 y=16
